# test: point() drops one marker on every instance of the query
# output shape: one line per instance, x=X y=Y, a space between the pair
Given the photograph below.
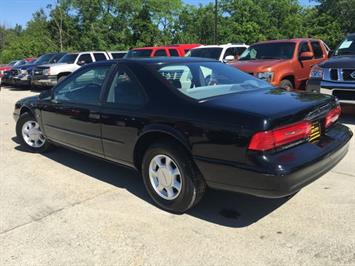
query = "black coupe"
x=187 y=124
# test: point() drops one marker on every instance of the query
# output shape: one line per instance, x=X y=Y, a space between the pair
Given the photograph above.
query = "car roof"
x=351 y=34
x=222 y=45
x=294 y=40
x=159 y=60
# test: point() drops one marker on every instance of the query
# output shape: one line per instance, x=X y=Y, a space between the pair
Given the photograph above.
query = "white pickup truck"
x=50 y=74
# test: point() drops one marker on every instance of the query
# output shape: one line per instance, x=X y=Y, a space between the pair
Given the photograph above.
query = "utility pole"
x=215 y=20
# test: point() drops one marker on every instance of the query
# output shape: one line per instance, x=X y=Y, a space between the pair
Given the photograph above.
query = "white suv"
x=51 y=74
x=224 y=52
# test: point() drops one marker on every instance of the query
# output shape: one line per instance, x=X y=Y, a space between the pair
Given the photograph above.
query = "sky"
x=20 y=11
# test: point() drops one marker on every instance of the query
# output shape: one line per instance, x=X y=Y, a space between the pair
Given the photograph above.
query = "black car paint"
x=215 y=131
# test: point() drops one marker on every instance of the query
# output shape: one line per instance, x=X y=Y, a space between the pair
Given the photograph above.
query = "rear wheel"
x=171 y=178
x=30 y=135
x=287 y=85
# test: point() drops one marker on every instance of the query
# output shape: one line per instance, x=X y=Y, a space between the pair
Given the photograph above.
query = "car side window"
x=317 y=49
x=84 y=59
x=304 y=47
x=125 y=90
x=85 y=87
x=100 y=56
x=173 y=52
x=229 y=51
x=160 y=52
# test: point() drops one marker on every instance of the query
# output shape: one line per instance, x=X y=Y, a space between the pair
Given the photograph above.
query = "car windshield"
x=55 y=58
x=139 y=53
x=68 y=59
x=209 y=79
x=279 y=50
x=12 y=63
x=347 y=47
x=213 y=53
x=43 y=59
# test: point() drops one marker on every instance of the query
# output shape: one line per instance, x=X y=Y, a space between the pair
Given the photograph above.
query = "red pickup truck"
x=284 y=63
x=169 y=50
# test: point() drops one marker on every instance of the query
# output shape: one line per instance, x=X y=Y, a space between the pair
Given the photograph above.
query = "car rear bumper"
x=344 y=91
x=282 y=173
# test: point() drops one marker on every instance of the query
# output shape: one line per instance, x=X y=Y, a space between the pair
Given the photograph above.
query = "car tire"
x=189 y=185
x=30 y=135
x=60 y=79
x=287 y=85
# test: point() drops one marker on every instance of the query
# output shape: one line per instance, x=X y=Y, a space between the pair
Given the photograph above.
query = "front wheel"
x=171 y=178
x=30 y=135
x=287 y=85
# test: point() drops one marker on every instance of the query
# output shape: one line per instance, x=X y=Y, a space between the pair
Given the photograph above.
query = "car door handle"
x=94 y=115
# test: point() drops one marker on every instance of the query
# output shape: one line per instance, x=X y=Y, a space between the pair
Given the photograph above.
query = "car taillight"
x=332 y=116
x=268 y=140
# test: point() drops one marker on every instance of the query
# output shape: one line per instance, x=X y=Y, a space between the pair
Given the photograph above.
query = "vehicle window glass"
x=304 y=47
x=100 y=56
x=117 y=55
x=317 y=50
x=173 y=52
x=125 y=90
x=139 y=53
x=229 y=51
x=180 y=77
x=84 y=59
x=277 y=50
x=347 y=47
x=210 y=79
x=213 y=53
x=160 y=52
x=68 y=59
x=240 y=50
x=56 y=58
x=84 y=87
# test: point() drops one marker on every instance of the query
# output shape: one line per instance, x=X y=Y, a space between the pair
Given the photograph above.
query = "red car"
x=169 y=50
x=7 y=68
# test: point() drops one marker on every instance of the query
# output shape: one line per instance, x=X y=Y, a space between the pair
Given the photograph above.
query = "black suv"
x=337 y=75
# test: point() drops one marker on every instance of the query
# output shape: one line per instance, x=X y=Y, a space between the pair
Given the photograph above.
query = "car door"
x=304 y=65
x=122 y=115
x=319 y=53
x=73 y=116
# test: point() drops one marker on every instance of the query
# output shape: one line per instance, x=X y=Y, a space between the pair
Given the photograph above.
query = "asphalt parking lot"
x=65 y=208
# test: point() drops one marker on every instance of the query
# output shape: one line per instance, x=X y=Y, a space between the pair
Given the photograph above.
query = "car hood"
x=258 y=65
x=340 y=61
x=271 y=104
x=5 y=68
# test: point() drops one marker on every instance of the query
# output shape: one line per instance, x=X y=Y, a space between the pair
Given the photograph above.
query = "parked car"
x=117 y=54
x=49 y=75
x=225 y=53
x=284 y=63
x=22 y=75
x=337 y=75
x=185 y=123
x=7 y=67
x=169 y=50
x=8 y=75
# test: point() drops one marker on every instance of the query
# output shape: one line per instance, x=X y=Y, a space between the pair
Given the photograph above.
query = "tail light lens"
x=332 y=116
x=268 y=140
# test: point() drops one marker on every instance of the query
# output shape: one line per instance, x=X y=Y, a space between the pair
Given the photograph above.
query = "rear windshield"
x=139 y=53
x=68 y=58
x=209 y=79
x=213 y=53
x=347 y=47
x=279 y=50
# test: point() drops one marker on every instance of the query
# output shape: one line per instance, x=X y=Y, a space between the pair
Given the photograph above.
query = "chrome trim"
x=327 y=77
x=338 y=85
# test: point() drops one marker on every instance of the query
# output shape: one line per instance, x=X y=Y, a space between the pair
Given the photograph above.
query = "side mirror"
x=81 y=63
x=306 y=55
x=229 y=58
